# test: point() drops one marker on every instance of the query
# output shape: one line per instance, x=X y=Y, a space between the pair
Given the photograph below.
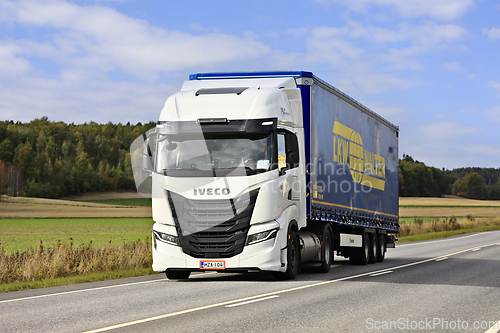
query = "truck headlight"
x=261 y=236
x=166 y=238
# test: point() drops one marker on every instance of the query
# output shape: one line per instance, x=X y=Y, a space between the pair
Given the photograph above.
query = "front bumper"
x=264 y=256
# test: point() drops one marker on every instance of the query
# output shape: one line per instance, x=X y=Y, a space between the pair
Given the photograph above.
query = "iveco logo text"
x=211 y=191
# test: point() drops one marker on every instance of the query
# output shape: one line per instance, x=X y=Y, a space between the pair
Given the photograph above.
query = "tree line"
x=50 y=159
x=418 y=180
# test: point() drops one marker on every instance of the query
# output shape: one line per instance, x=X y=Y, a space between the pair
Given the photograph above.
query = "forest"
x=418 y=180
x=51 y=159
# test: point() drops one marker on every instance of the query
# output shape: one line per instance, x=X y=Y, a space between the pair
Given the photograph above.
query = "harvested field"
x=447 y=207
x=107 y=196
x=451 y=201
x=449 y=211
x=48 y=208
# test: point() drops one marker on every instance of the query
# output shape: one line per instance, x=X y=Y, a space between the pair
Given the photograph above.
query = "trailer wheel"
x=373 y=248
x=326 y=249
x=292 y=256
x=381 y=248
x=177 y=275
x=360 y=255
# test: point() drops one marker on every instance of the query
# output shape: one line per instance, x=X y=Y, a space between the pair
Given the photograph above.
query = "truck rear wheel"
x=360 y=255
x=177 y=275
x=373 y=248
x=381 y=248
x=326 y=248
x=293 y=259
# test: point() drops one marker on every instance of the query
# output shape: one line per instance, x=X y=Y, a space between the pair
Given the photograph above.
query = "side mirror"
x=147 y=154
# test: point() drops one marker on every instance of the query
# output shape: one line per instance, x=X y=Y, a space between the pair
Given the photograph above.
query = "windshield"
x=214 y=154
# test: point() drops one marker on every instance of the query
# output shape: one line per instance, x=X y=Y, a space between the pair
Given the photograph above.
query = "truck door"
x=288 y=163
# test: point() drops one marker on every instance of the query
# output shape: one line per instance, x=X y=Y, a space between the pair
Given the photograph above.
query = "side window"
x=288 y=151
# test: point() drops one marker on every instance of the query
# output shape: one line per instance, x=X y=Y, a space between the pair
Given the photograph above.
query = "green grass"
x=429 y=218
x=444 y=234
x=124 y=202
x=6 y=287
x=21 y=234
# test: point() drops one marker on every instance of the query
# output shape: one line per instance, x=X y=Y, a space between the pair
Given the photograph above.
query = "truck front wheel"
x=293 y=260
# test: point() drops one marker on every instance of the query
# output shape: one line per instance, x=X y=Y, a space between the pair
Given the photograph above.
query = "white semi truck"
x=268 y=171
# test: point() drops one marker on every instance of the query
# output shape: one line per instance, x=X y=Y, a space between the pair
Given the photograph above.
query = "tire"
x=326 y=248
x=381 y=248
x=293 y=259
x=360 y=255
x=177 y=275
x=373 y=248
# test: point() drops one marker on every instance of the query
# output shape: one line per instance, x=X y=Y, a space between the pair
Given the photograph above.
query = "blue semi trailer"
x=269 y=171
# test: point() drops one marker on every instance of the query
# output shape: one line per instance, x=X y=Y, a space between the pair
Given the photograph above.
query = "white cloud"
x=101 y=37
x=494 y=85
x=446 y=131
x=12 y=66
x=445 y=10
x=455 y=67
x=484 y=151
x=493 y=113
x=92 y=57
x=455 y=114
x=441 y=144
x=407 y=41
x=373 y=83
x=79 y=96
x=493 y=33
x=365 y=57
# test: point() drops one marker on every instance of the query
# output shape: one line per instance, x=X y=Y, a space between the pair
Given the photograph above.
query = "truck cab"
x=229 y=176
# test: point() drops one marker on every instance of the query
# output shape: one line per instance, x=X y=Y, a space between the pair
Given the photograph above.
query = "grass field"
x=22 y=233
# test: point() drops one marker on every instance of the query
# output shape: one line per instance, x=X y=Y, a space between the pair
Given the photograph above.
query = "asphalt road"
x=449 y=285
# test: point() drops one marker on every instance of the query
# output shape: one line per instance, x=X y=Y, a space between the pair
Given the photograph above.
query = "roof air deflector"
x=215 y=91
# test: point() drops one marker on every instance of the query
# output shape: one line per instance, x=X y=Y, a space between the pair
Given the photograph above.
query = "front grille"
x=212 y=228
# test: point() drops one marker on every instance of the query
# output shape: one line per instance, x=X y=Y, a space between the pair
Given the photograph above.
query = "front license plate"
x=212 y=264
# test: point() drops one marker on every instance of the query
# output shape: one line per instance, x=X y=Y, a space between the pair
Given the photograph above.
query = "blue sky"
x=429 y=66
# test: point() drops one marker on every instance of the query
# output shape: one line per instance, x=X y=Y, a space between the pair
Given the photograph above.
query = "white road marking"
x=377 y=274
x=476 y=249
x=252 y=301
x=92 y=289
x=443 y=258
x=494 y=329
x=79 y=291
